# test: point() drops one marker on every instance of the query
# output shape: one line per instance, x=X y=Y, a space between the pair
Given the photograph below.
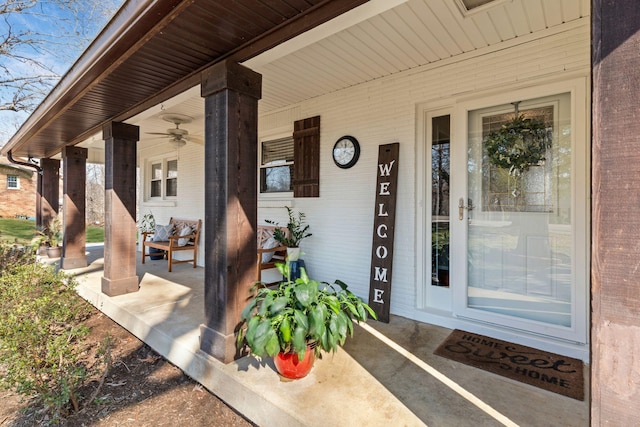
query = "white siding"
x=384 y=111
x=190 y=201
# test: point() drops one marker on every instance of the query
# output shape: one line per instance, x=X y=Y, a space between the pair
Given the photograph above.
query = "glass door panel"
x=517 y=212
x=440 y=173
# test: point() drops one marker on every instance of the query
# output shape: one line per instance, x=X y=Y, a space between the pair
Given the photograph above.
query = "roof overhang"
x=153 y=50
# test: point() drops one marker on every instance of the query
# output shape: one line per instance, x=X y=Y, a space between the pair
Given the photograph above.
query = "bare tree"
x=38 y=42
x=95 y=193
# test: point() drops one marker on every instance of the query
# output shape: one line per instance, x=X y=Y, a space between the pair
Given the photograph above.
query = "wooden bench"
x=265 y=233
x=171 y=245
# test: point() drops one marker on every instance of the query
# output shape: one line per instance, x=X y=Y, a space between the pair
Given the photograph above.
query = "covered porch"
x=404 y=384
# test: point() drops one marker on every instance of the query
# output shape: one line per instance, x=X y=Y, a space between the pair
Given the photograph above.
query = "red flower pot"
x=289 y=366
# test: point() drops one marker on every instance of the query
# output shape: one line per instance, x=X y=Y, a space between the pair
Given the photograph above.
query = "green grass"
x=22 y=231
x=95 y=234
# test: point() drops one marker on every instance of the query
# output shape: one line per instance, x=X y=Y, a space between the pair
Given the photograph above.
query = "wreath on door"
x=519 y=144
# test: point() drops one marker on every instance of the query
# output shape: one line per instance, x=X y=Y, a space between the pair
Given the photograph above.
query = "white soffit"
x=342 y=22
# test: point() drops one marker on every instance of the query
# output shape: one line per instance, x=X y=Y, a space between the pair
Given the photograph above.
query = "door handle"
x=462 y=207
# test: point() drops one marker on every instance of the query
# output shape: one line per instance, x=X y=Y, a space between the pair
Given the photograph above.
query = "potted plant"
x=148 y=225
x=50 y=237
x=297 y=320
x=291 y=237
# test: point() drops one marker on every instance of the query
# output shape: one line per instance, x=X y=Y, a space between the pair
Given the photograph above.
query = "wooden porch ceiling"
x=153 y=50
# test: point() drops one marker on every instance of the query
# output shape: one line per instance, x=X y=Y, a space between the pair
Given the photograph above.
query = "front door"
x=518 y=217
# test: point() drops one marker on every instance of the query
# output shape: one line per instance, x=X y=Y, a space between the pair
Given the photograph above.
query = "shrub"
x=40 y=314
x=12 y=256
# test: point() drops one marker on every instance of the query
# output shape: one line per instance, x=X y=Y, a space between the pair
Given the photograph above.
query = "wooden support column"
x=48 y=198
x=120 y=146
x=231 y=94
x=74 y=175
x=615 y=295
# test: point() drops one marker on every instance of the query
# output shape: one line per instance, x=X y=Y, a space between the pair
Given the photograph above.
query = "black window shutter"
x=306 y=163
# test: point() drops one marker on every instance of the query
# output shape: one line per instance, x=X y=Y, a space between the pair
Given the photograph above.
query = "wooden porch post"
x=231 y=94
x=615 y=315
x=120 y=146
x=74 y=162
x=48 y=199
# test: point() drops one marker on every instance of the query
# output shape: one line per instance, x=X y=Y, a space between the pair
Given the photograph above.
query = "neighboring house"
x=18 y=187
x=232 y=144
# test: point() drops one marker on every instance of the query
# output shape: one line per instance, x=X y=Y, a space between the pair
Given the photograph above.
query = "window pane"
x=12 y=181
x=276 y=179
x=156 y=171
x=172 y=169
x=530 y=190
x=156 y=188
x=172 y=187
x=440 y=172
x=277 y=151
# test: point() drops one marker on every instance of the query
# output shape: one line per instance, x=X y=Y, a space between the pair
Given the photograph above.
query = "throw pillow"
x=186 y=230
x=268 y=244
x=162 y=233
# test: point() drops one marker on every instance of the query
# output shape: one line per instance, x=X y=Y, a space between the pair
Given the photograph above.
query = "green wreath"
x=518 y=144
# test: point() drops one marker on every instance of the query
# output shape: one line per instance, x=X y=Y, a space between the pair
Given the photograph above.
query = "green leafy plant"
x=298 y=313
x=40 y=323
x=519 y=144
x=297 y=229
x=12 y=257
x=51 y=234
x=147 y=223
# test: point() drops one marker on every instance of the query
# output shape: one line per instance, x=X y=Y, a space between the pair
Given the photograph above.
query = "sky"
x=58 y=31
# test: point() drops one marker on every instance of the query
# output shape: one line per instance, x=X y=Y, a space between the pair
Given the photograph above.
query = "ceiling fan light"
x=178 y=143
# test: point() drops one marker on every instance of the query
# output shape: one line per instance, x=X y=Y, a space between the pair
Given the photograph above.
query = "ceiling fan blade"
x=159 y=133
x=194 y=139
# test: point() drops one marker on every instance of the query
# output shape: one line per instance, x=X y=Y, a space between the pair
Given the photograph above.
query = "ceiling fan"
x=177 y=137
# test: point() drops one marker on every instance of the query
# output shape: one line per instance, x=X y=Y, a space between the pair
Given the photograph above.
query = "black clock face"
x=346 y=152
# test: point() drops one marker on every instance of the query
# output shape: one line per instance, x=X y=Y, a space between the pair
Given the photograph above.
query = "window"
x=471 y=7
x=13 y=182
x=172 y=178
x=472 y=4
x=276 y=166
x=163 y=178
x=277 y=172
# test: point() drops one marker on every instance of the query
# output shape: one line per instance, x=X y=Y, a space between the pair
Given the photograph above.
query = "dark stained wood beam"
x=120 y=146
x=74 y=208
x=615 y=295
x=231 y=94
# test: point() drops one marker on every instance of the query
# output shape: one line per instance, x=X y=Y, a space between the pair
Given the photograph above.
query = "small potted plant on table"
x=297 y=320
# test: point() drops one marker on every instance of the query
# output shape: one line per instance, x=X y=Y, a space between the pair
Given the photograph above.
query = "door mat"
x=560 y=374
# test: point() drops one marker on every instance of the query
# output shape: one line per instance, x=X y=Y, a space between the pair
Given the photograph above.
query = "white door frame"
x=458 y=108
x=577 y=332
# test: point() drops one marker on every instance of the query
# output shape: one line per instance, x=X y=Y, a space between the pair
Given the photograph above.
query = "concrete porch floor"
x=387 y=375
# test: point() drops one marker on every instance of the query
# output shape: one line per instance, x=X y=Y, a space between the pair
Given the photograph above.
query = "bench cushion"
x=185 y=231
x=270 y=243
x=162 y=233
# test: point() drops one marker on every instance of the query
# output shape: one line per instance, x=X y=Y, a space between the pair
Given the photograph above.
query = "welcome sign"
x=383 y=230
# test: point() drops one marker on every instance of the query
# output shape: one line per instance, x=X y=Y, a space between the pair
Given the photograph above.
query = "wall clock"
x=346 y=152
